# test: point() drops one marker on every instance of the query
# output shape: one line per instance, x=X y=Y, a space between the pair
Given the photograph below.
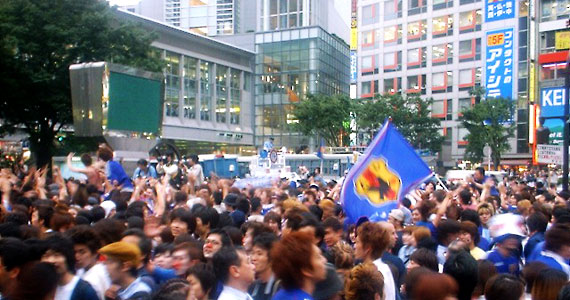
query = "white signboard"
x=549 y=154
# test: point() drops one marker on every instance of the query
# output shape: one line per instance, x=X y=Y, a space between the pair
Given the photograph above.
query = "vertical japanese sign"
x=499 y=63
x=353 y=67
x=499 y=10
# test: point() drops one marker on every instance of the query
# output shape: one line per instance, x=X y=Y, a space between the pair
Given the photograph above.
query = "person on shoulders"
x=506 y=256
x=144 y=170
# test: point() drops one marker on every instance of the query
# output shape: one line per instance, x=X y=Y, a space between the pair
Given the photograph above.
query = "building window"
x=369 y=65
x=461 y=2
x=470 y=50
x=548 y=41
x=470 y=21
x=552 y=71
x=393 y=85
x=465 y=103
x=392 y=9
x=221 y=93
x=368 y=39
x=551 y=10
x=442 y=26
x=190 y=87
x=417 y=31
x=442 y=109
x=442 y=82
x=205 y=90
x=417 y=58
x=235 y=96
x=442 y=54
x=393 y=61
x=369 y=89
x=416 y=7
x=468 y=78
x=441 y=4
x=416 y=84
x=370 y=14
x=172 y=90
x=393 y=35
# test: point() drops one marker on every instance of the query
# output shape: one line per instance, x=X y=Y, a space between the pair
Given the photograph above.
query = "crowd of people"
x=167 y=232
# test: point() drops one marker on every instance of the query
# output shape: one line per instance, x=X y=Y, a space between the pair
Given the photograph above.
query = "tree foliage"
x=39 y=40
x=410 y=114
x=323 y=116
x=488 y=123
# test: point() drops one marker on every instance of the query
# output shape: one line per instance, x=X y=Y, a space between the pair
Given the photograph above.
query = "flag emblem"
x=378 y=183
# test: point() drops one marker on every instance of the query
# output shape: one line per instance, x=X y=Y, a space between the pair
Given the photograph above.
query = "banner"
x=562 y=40
x=389 y=169
x=496 y=10
x=353 y=67
x=499 y=64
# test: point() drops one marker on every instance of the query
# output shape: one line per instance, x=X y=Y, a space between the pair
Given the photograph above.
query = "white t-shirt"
x=389 y=285
x=63 y=292
x=98 y=277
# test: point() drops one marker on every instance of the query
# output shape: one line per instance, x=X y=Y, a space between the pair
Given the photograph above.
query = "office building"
x=443 y=49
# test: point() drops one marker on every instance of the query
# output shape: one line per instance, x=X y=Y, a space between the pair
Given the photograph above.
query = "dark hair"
x=86 y=159
x=61 y=220
x=556 y=237
x=465 y=196
x=472 y=230
x=412 y=279
x=434 y=287
x=105 y=153
x=85 y=235
x=13 y=252
x=184 y=216
x=481 y=170
x=564 y=292
x=36 y=280
x=205 y=274
x=316 y=211
x=425 y=209
x=223 y=260
x=375 y=236
x=471 y=215
x=135 y=222
x=425 y=258
x=333 y=223
x=193 y=250
x=208 y=215
x=548 y=283
x=255 y=203
x=173 y=289
x=226 y=241
x=234 y=234
x=142 y=162
x=162 y=248
x=16 y=217
x=530 y=273
x=145 y=244
x=504 y=287
x=109 y=230
x=194 y=158
x=463 y=268
x=537 y=222
x=272 y=216
x=295 y=252
x=446 y=228
x=265 y=241
x=486 y=270
x=64 y=246
x=135 y=209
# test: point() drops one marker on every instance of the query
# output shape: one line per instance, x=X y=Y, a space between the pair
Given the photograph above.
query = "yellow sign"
x=353 y=39
x=496 y=39
x=532 y=83
x=562 y=40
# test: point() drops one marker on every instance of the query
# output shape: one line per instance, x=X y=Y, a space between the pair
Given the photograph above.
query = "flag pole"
x=440 y=182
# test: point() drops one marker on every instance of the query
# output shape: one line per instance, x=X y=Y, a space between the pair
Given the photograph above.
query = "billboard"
x=353 y=67
x=552 y=109
x=496 y=10
x=499 y=58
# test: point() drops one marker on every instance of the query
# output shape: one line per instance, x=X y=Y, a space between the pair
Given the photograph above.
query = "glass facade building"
x=290 y=64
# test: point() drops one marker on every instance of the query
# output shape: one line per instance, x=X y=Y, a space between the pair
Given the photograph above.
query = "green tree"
x=39 y=40
x=487 y=123
x=410 y=114
x=323 y=116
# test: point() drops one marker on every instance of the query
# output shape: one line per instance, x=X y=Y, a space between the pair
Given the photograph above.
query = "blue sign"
x=496 y=10
x=552 y=102
x=353 y=67
x=499 y=58
x=389 y=169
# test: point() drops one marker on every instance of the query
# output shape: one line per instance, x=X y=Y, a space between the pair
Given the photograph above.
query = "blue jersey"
x=295 y=294
x=504 y=265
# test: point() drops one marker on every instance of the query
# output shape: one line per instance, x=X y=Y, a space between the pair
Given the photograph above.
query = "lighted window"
x=442 y=54
x=392 y=85
x=442 y=26
x=416 y=84
x=392 y=61
x=442 y=82
x=368 y=38
x=417 y=31
x=393 y=35
x=416 y=58
x=470 y=21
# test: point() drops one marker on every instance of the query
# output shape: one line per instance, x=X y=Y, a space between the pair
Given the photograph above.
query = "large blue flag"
x=321 y=150
x=388 y=170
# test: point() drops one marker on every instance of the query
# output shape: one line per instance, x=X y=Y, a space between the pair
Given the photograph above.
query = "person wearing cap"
x=122 y=261
x=506 y=255
x=396 y=218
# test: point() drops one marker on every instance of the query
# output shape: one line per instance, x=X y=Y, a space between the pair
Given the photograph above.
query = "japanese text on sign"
x=353 y=66
x=499 y=10
x=549 y=154
x=499 y=63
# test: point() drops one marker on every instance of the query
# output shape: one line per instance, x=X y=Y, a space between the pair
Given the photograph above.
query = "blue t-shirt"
x=116 y=172
x=504 y=265
x=538 y=248
x=551 y=262
x=430 y=226
x=295 y=294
